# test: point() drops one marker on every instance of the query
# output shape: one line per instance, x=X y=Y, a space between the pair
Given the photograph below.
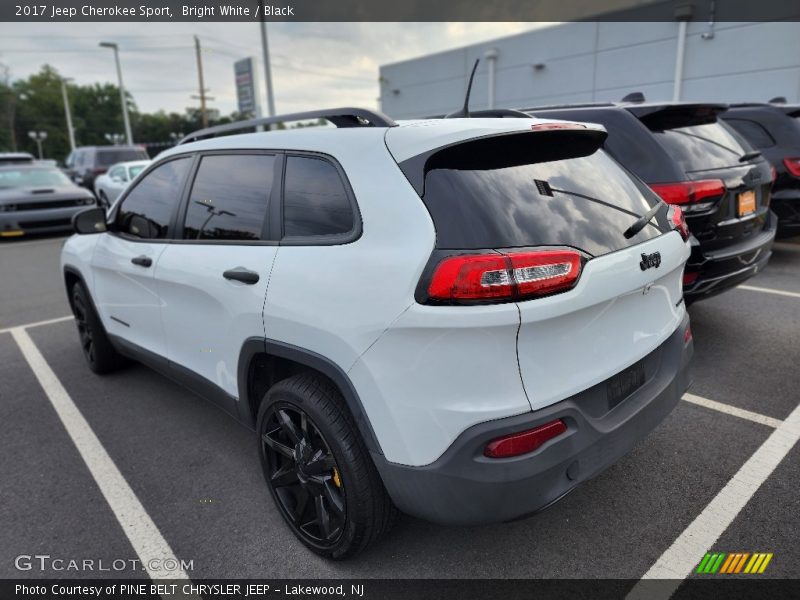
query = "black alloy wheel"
x=303 y=475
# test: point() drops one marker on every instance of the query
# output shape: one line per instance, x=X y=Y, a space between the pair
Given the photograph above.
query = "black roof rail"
x=341 y=117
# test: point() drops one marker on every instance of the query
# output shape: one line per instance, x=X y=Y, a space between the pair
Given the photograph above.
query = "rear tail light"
x=689 y=192
x=793 y=166
x=99 y=170
x=679 y=221
x=504 y=277
x=773 y=173
x=687 y=335
x=524 y=441
x=689 y=277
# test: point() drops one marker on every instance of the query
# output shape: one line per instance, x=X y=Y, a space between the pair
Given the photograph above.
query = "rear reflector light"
x=687 y=335
x=512 y=276
x=793 y=166
x=689 y=192
x=774 y=173
x=690 y=277
x=524 y=441
x=679 y=221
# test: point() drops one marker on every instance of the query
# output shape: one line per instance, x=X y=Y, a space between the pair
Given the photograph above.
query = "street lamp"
x=115 y=48
x=115 y=138
x=67 y=112
x=38 y=137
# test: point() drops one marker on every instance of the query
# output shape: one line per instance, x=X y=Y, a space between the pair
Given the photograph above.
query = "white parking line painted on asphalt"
x=764 y=290
x=37 y=324
x=685 y=553
x=140 y=529
x=733 y=410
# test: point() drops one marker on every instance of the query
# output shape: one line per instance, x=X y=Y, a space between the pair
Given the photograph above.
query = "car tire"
x=318 y=469
x=97 y=349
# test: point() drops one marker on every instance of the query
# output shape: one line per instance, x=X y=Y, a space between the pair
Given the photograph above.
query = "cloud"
x=313 y=64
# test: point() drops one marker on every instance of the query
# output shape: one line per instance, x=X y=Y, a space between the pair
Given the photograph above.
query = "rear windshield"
x=703 y=147
x=106 y=158
x=585 y=202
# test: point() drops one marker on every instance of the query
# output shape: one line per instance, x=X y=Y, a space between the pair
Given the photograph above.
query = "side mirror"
x=91 y=220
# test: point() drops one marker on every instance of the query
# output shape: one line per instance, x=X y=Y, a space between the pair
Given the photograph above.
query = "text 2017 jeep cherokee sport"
x=459 y=318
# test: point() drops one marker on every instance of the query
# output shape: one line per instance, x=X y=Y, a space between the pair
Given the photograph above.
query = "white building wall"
x=585 y=62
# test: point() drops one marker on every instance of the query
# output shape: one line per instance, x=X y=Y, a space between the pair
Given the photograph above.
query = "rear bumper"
x=464 y=487
x=720 y=270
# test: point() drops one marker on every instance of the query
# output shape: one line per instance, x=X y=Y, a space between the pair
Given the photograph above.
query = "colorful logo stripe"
x=734 y=562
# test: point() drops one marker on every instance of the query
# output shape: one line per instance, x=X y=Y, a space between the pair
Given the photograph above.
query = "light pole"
x=267 y=67
x=115 y=48
x=38 y=137
x=67 y=112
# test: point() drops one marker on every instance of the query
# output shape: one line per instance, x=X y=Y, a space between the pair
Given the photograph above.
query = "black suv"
x=693 y=160
x=87 y=162
x=774 y=129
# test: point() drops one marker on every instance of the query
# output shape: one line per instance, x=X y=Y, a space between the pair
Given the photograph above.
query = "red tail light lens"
x=793 y=166
x=774 y=173
x=689 y=192
x=99 y=170
x=513 y=276
x=687 y=335
x=524 y=441
x=679 y=221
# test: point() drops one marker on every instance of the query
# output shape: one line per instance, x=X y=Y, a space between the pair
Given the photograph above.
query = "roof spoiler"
x=341 y=117
x=671 y=116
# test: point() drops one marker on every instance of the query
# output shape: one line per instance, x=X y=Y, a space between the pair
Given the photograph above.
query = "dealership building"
x=603 y=61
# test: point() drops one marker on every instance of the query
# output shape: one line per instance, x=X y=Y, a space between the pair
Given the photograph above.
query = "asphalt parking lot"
x=719 y=474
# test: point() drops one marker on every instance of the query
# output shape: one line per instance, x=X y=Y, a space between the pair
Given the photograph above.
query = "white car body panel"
x=125 y=294
x=572 y=341
x=206 y=317
x=110 y=187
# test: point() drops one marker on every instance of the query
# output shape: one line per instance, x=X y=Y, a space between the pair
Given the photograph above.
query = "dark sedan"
x=38 y=199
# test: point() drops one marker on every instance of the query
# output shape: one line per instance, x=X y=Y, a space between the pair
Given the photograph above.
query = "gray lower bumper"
x=464 y=487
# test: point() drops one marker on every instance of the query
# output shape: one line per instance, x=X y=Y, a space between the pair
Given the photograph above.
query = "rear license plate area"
x=624 y=383
x=746 y=203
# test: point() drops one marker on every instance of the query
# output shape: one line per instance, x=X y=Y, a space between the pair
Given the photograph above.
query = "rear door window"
x=703 y=147
x=315 y=200
x=585 y=202
x=230 y=197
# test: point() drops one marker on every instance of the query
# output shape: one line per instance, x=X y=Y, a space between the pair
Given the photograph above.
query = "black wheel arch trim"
x=70 y=270
x=257 y=345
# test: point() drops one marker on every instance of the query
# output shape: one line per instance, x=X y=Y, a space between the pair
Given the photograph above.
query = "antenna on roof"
x=464 y=112
x=634 y=97
x=778 y=100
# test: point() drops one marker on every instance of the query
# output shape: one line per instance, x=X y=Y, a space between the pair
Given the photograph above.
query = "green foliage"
x=36 y=104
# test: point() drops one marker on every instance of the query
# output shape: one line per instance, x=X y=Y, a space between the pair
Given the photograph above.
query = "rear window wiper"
x=748 y=156
x=642 y=221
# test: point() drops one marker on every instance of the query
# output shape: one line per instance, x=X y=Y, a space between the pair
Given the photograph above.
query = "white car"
x=462 y=319
x=109 y=185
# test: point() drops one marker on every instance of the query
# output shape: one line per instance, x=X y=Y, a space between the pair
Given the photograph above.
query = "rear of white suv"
x=463 y=318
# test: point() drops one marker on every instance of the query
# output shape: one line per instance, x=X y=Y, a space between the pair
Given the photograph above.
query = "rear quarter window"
x=753 y=132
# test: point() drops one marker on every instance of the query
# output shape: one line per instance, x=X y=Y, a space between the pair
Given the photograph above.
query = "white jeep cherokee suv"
x=461 y=318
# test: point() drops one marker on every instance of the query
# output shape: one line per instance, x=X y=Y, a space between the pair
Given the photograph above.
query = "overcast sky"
x=313 y=64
